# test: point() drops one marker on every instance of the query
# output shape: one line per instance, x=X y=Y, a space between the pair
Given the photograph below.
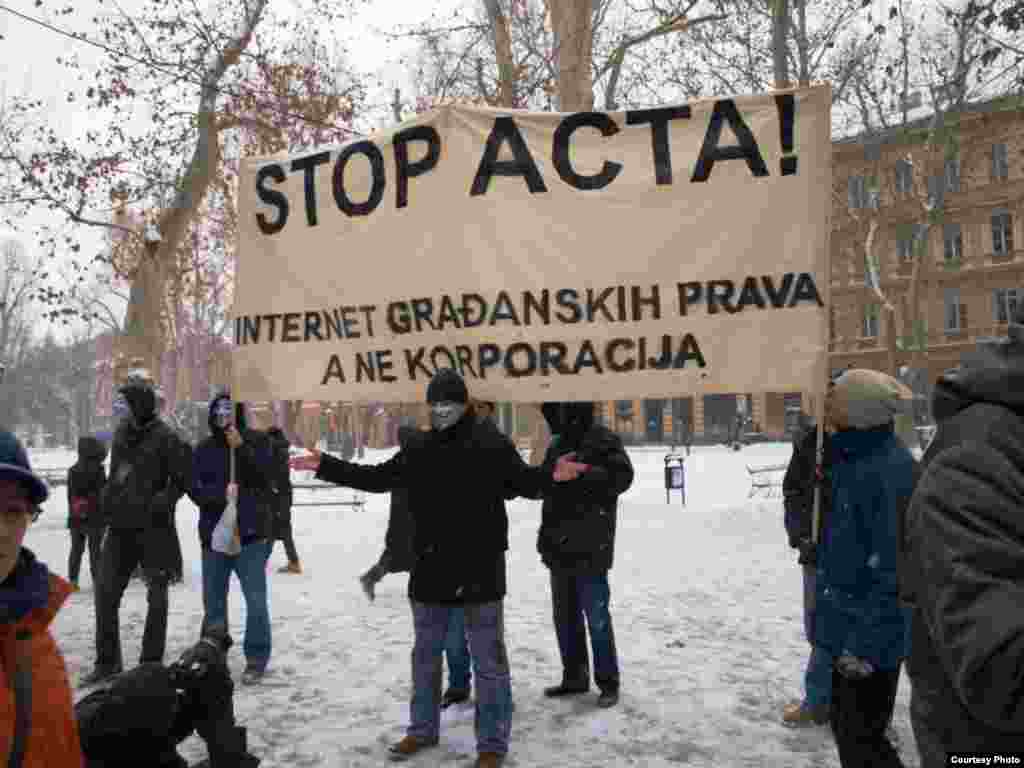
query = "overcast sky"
x=29 y=53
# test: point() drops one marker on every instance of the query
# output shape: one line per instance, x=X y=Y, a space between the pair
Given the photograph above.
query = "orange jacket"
x=29 y=652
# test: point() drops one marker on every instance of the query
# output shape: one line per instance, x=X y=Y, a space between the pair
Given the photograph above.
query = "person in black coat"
x=458 y=477
x=798 y=487
x=86 y=479
x=397 y=556
x=150 y=470
x=965 y=563
x=282 y=498
x=576 y=542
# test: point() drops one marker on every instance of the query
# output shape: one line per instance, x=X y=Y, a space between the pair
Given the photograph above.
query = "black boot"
x=454 y=696
x=100 y=675
x=566 y=689
x=608 y=698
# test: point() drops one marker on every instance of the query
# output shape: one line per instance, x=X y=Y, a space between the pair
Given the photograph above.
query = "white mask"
x=224 y=413
x=446 y=414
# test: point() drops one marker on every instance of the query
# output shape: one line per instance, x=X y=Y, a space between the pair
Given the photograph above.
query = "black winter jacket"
x=457 y=481
x=798 y=487
x=86 y=479
x=281 y=492
x=578 y=519
x=966 y=536
x=150 y=470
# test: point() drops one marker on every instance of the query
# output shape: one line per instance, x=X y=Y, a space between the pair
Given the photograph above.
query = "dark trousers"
x=177 y=561
x=79 y=538
x=578 y=597
x=860 y=713
x=286 y=538
x=123 y=550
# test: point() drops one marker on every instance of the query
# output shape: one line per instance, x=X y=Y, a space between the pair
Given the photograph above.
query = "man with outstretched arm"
x=457 y=477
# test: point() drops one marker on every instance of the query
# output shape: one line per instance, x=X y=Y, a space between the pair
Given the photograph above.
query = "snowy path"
x=706 y=604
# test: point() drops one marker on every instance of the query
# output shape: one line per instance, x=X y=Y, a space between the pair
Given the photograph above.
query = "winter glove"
x=808 y=552
x=852 y=668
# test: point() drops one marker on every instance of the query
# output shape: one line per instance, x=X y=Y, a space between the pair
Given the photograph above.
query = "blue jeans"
x=456 y=650
x=250 y=566
x=486 y=627
x=575 y=596
x=818 y=675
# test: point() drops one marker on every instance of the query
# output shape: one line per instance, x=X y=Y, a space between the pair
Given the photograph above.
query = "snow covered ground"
x=706 y=602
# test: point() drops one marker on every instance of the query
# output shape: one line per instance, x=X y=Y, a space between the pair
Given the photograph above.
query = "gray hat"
x=873 y=398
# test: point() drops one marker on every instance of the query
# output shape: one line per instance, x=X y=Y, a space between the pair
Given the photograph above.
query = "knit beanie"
x=872 y=398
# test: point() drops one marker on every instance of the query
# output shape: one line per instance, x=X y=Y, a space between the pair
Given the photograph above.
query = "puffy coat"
x=798 y=486
x=254 y=470
x=457 y=480
x=86 y=479
x=36 y=707
x=578 y=519
x=150 y=468
x=858 y=608
x=966 y=536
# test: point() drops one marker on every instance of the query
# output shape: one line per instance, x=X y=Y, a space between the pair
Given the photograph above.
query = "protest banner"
x=673 y=251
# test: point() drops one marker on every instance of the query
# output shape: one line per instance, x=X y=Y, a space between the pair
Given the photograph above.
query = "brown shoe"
x=800 y=714
x=295 y=567
x=489 y=760
x=408 y=747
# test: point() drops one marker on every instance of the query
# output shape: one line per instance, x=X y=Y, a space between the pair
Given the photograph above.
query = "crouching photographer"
x=145 y=713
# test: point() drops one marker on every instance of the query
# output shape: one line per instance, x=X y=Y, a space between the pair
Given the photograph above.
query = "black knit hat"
x=447 y=387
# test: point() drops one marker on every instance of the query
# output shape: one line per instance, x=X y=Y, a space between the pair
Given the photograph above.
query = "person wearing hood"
x=86 y=479
x=282 y=498
x=150 y=470
x=251 y=490
x=37 y=721
x=457 y=477
x=860 y=620
x=576 y=541
x=966 y=562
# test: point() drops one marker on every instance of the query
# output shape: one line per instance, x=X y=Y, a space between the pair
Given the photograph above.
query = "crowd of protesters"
x=906 y=564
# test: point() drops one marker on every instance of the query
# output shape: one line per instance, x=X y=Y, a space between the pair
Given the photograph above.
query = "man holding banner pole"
x=457 y=478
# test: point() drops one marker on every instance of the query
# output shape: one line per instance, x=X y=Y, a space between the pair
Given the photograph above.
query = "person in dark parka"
x=798 y=487
x=576 y=542
x=86 y=479
x=397 y=556
x=860 y=619
x=966 y=563
x=458 y=477
x=150 y=470
x=282 y=498
x=251 y=489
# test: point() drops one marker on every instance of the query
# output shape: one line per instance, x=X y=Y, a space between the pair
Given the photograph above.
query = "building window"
x=871 y=321
x=952 y=175
x=953 y=242
x=1004 y=303
x=832 y=323
x=953 y=314
x=903 y=178
x=857 y=191
x=905 y=249
x=1002 y=232
x=1000 y=163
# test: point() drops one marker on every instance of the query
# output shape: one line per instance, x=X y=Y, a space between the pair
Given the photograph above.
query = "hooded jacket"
x=86 y=479
x=799 y=483
x=457 y=480
x=36 y=710
x=150 y=468
x=254 y=470
x=281 y=478
x=578 y=519
x=966 y=542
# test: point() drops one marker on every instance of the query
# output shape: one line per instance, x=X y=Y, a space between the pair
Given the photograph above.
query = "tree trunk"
x=780 y=53
x=506 y=96
x=573 y=24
